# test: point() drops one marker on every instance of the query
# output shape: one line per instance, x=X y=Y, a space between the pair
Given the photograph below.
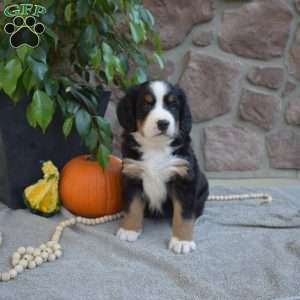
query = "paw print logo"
x=24 y=31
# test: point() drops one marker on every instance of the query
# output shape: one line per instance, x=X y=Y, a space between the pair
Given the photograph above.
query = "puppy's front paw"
x=132 y=168
x=128 y=235
x=181 y=247
x=178 y=166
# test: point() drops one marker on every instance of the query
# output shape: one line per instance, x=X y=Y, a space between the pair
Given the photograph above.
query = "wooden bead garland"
x=256 y=196
x=30 y=258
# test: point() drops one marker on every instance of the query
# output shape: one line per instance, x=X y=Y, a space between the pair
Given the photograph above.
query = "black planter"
x=26 y=148
x=4 y=190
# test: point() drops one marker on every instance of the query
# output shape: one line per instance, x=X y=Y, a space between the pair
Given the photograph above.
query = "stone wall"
x=239 y=63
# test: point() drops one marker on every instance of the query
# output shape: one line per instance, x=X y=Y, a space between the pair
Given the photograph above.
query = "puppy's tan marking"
x=133 y=220
x=140 y=126
x=181 y=229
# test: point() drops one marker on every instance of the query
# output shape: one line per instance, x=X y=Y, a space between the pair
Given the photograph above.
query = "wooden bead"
x=31 y=265
x=29 y=250
x=16 y=256
x=24 y=263
x=5 y=276
x=38 y=260
x=59 y=228
x=79 y=219
x=21 y=250
x=51 y=257
x=72 y=221
x=58 y=253
x=49 y=250
x=44 y=255
x=50 y=244
x=56 y=247
x=15 y=262
x=19 y=269
x=28 y=257
x=37 y=252
x=43 y=246
x=13 y=273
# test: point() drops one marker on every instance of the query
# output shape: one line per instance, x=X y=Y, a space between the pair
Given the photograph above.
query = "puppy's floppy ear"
x=126 y=110
x=185 y=116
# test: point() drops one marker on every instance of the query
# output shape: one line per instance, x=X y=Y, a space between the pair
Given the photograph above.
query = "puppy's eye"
x=171 y=99
x=149 y=99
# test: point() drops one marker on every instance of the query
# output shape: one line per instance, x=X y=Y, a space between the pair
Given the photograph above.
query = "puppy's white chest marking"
x=155 y=177
x=156 y=161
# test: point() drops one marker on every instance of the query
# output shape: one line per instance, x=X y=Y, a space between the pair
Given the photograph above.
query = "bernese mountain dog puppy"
x=160 y=174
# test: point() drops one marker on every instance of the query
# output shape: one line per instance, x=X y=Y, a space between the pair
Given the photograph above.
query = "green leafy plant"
x=88 y=46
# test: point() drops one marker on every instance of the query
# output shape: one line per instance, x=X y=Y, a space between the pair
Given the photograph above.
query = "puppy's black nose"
x=163 y=125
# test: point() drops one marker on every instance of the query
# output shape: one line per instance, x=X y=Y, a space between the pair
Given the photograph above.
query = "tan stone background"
x=239 y=63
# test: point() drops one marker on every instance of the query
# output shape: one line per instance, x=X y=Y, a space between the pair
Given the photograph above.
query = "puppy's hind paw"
x=128 y=235
x=181 y=247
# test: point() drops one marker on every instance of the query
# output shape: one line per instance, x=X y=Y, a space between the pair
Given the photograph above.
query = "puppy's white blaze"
x=159 y=89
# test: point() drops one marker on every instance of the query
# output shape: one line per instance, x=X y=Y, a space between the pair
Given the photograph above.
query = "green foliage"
x=88 y=46
x=10 y=74
x=40 y=111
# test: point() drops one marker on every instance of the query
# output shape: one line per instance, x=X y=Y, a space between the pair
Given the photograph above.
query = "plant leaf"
x=62 y=104
x=89 y=35
x=82 y=8
x=71 y=107
x=104 y=125
x=38 y=69
x=2 y=74
x=68 y=13
x=88 y=103
x=68 y=125
x=147 y=17
x=106 y=140
x=22 y=52
x=10 y=76
x=41 y=110
x=83 y=122
x=103 y=156
x=96 y=58
x=137 y=31
x=30 y=117
x=39 y=54
x=107 y=52
x=109 y=72
x=140 y=76
x=159 y=60
x=29 y=80
x=91 y=140
x=51 y=87
x=19 y=92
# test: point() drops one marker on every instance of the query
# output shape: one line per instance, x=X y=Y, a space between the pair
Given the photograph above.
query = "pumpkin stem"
x=91 y=157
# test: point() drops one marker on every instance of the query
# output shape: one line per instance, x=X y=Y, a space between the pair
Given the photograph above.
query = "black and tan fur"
x=160 y=171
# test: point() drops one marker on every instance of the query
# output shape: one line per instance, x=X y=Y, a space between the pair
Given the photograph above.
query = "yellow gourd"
x=42 y=197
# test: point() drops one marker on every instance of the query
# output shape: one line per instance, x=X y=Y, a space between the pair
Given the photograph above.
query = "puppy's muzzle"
x=163 y=125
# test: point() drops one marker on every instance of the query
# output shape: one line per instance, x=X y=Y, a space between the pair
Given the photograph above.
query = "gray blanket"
x=245 y=251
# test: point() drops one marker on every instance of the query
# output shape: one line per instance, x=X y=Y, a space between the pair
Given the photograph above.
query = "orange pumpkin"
x=89 y=191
